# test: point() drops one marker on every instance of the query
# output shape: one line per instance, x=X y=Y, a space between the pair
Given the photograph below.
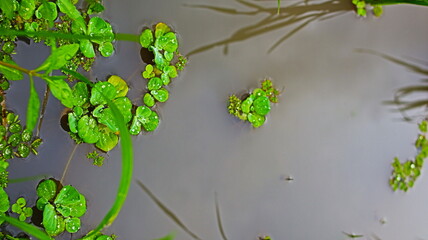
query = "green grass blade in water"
x=28 y=228
x=127 y=163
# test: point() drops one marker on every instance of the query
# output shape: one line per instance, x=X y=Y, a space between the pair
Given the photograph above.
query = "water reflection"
x=298 y=15
x=408 y=99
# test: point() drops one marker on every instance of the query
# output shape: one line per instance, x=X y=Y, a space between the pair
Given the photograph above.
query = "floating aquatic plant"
x=20 y=208
x=256 y=106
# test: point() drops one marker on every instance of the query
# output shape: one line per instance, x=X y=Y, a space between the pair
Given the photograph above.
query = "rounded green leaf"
x=151 y=123
x=72 y=122
x=108 y=140
x=105 y=116
x=146 y=38
x=70 y=203
x=149 y=100
x=3 y=131
x=100 y=30
x=165 y=79
x=262 y=105
x=41 y=203
x=135 y=127
x=26 y=135
x=125 y=106
x=14 y=139
x=119 y=84
x=23 y=150
x=47 y=10
x=16 y=208
x=167 y=42
x=101 y=90
x=106 y=49
x=15 y=127
x=87 y=128
x=80 y=94
x=72 y=225
x=87 y=48
x=21 y=202
x=161 y=29
x=47 y=189
x=142 y=112
x=256 y=120
x=246 y=104
x=154 y=83
x=28 y=212
x=161 y=95
x=168 y=55
x=51 y=221
x=26 y=10
x=171 y=71
x=22 y=217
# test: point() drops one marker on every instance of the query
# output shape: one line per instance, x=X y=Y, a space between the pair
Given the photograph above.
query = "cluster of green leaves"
x=162 y=42
x=96 y=158
x=15 y=141
x=256 y=106
x=33 y=17
x=361 y=8
x=61 y=207
x=92 y=120
x=20 y=208
x=405 y=174
x=4 y=203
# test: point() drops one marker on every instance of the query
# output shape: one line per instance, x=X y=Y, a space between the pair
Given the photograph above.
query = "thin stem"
x=42 y=113
x=68 y=163
x=127 y=37
x=49 y=34
x=21 y=69
x=391 y=2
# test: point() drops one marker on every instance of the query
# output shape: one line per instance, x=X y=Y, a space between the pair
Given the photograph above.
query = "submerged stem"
x=68 y=163
x=127 y=37
x=42 y=113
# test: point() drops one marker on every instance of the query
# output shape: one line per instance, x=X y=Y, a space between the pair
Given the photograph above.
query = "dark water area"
x=331 y=130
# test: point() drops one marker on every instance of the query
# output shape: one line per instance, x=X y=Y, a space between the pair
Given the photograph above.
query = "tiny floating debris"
x=265 y=238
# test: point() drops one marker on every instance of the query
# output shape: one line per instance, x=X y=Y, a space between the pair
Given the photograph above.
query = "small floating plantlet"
x=405 y=174
x=166 y=62
x=20 y=208
x=256 y=106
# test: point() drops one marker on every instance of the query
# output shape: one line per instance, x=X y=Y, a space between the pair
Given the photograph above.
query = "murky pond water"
x=331 y=131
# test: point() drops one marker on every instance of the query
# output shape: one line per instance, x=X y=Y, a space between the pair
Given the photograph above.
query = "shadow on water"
x=408 y=98
x=299 y=15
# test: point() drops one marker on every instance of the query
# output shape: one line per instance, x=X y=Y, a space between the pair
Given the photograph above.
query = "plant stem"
x=21 y=69
x=48 y=34
x=391 y=2
x=127 y=37
x=42 y=113
x=68 y=163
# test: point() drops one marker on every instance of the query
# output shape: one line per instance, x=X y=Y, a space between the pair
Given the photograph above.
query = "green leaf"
x=33 y=107
x=60 y=89
x=171 y=71
x=168 y=55
x=423 y=126
x=41 y=203
x=105 y=116
x=22 y=217
x=51 y=220
x=161 y=95
x=26 y=10
x=167 y=237
x=120 y=85
x=165 y=79
x=125 y=106
x=28 y=228
x=16 y=208
x=10 y=73
x=47 y=189
x=159 y=59
x=28 y=212
x=72 y=225
x=87 y=48
x=149 y=100
x=87 y=129
x=21 y=202
x=47 y=10
x=4 y=201
x=146 y=38
x=70 y=203
x=161 y=29
x=68 y=8
x=8 y=7
x=377 y=10
x=135 y=127
x=154 y=83
x=256 y=120
x=23 y=150
x=80 y=94
x=246 y=104
x=262 y=105
x=101 y=90
x=167 y=42
x=72 y=122
x=100 y=31
x=108 y=140
x=58 y=58
x=148 y=118
x=106 y=49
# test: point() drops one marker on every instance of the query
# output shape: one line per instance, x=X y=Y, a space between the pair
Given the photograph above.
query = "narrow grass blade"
x=33 y=107
x=168 y=212
x=28 y=228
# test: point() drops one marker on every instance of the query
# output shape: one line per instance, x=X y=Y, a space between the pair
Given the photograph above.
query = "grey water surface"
x=331 y=130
